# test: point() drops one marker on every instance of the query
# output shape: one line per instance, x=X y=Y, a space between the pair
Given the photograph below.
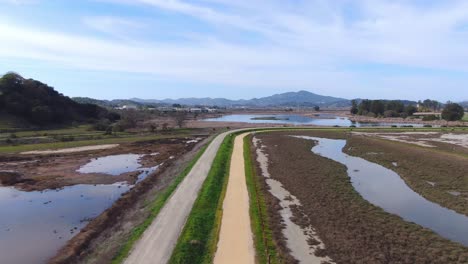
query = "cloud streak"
x=261 y=43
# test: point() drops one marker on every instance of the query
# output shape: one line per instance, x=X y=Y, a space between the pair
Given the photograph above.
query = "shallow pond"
x=320 y=120
x=113 y=165
x=35 y=225
x=384 y=188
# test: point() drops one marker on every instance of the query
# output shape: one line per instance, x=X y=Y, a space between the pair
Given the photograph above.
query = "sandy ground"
x=159 y=240
x=70 y=150
x=236 y=242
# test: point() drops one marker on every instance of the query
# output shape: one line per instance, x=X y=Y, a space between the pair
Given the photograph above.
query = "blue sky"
x=107 y=49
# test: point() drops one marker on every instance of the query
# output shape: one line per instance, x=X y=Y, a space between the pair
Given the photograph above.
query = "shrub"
x=390 y=113
x=430 y=118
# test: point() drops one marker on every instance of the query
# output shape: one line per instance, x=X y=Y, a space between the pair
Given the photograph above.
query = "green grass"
x=155 y=207
x=265 y=247
x=197 y=243
x=465 y=117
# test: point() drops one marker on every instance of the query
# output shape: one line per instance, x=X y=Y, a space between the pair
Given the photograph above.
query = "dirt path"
x=70 y=150
x=236 y=243
x=159 y=240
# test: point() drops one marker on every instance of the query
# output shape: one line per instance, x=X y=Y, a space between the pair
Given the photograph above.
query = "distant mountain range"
x=289 y=99
x=301 y=98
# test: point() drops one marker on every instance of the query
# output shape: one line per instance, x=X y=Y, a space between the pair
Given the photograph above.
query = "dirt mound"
x=10 y=177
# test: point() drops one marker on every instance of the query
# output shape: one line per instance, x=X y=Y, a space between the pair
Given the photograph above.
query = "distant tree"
x=177 y=106
x=129 y=119
x=377 y=107
x=453 y=112
x=391 y=113
x=354 y=107
x=41 y=114
x=153 y=127
x=165 y=126
x=429 y=105
x=410 y=110
x=180 y=118
x=113 y=116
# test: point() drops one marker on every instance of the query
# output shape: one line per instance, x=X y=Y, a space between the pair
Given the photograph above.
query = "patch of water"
x=385 y=188
x=113 y=165
x=35 y=225
x=297 y=120
x=296 y=236
x=119 y=164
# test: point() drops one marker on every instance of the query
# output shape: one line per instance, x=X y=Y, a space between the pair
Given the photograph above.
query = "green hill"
x=40 y=104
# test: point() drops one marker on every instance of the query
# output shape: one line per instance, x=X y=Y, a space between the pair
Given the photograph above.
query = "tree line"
x=395 y=108
x=382 y=108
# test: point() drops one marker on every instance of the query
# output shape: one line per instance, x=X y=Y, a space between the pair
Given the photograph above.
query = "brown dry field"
x=353 y=230
x=39 y=172
x=100 y=241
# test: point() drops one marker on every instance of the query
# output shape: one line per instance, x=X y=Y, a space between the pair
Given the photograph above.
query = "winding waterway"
x=385 y=188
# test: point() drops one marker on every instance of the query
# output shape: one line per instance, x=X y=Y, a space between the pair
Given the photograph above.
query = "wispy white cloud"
x=113 y=25
x=300 y=44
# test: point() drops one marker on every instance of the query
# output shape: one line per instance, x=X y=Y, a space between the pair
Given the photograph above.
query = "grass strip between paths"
x=198 y=240
x=155 y=207
x=265 y=247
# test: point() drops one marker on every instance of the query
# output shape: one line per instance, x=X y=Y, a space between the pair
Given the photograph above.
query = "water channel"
x=385 y=188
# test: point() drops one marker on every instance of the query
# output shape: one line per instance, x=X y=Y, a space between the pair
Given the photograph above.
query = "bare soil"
x=101 y=240
x=51 y=171
x=353 y=230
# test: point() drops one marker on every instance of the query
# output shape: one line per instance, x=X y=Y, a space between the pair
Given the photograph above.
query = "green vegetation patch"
x=197 y=243
x=265 y=247
x=465 y=117
x=155 y=207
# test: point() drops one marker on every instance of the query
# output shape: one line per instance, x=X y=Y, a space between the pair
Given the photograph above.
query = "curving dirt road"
x=235 y=239
x=159 y=240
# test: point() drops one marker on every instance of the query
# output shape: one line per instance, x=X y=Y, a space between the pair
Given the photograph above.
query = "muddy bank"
x=101 y=239
x=353 y=230
x=52 y=171
x=300 y=238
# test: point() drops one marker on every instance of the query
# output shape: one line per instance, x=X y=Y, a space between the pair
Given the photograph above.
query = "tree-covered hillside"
x=40 y=104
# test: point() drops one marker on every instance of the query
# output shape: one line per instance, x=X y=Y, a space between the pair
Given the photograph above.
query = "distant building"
x=195 y=110
x=127 y=107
